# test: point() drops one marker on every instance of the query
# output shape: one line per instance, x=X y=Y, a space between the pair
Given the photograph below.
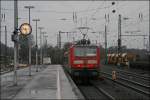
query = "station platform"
x=50 y=83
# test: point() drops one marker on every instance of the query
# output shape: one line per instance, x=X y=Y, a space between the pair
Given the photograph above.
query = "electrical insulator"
x=113 y=11
x=113 y=3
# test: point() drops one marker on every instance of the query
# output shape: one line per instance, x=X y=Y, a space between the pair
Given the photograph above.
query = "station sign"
x=25 y=29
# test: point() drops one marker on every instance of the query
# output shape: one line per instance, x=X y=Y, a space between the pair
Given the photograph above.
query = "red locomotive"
x=83 y=61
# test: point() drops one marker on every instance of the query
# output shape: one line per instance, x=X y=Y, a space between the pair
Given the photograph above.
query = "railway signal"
x=14 y=36
x=113 y=3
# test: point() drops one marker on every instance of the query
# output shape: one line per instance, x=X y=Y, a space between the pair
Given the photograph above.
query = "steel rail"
x=148 y=81
x=136 y=83
x=134 y=74
x=104 y=92
x=132 y=87
x=4 y=72
x=99 y=92
x=75 y=88
x=85 y=96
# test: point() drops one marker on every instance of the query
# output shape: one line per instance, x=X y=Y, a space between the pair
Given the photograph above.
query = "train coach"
x=83 y=61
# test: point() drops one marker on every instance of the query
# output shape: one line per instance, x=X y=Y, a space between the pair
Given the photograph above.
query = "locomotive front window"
x=85 y=51
x=91 y=52
x=79 y=51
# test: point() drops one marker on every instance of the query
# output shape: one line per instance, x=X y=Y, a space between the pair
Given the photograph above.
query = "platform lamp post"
x=40 y=28
x=29 y=7
x=45 y=37
x=41 y=47
x=36 y=20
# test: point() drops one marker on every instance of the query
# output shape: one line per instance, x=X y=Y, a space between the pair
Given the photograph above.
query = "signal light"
x=90 y=65
x=113 y=11
x=78 y=62
x=113 y=3
x=78 y=65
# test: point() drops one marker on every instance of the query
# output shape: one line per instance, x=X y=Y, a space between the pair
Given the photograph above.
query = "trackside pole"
x=58 y=85
x=15 y=39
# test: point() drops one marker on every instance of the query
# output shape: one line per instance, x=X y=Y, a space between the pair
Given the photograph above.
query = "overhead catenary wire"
x=55 y=11
x=71 y=12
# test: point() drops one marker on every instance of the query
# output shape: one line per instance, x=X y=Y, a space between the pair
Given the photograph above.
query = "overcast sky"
x=50 y=13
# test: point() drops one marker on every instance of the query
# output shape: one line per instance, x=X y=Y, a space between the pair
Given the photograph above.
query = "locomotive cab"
x=84 y=61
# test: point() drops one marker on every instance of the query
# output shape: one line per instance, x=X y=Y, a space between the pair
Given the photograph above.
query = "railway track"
x=134 y=77
x=4 y=72
x=110 y=90
x=134 y=74
x=113 y=90
x=94 y=92
x=130 y=72
x=91 y=91
x=18 y=68
x=142 y=88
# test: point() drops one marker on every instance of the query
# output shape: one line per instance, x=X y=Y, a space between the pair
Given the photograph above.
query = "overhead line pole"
x=0 y=27
x=46 y=45
x=5 y=45
x=59 y=39
x=106 y=25
x=119 y=34
x=149 y=46
x=36 y=20
x=15 y=43
x=42 y=49
x=45 y=51
x=105 y=44
x=40 y=28
x=29 y=41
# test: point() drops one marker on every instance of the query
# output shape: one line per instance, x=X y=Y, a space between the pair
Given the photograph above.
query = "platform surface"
x=7 y=88
x=48 y=84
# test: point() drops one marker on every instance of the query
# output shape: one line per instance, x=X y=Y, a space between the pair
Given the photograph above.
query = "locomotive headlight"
x=78 y=62
x=92 y=62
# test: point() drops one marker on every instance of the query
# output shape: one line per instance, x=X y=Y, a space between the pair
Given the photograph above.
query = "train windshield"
x=86 y=51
